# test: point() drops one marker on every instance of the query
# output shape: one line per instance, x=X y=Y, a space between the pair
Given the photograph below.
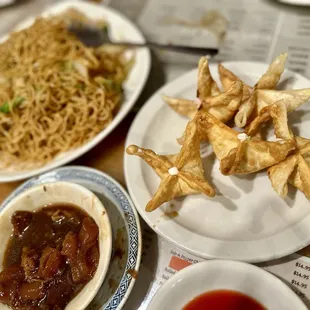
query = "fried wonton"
x=292 y=99
x=184 y=107
x=268 y=81
x=181 y=174
x=228 y=78
x=221 y=105
x=237 y=152
x=276 y=105
x=278 y=113
x=206 y=86
x=295 y=170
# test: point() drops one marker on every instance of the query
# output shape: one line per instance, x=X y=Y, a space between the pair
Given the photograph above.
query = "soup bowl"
x=63 y=193
x=217 y=275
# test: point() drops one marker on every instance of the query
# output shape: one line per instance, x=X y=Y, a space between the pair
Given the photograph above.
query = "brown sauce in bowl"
x=52 y=254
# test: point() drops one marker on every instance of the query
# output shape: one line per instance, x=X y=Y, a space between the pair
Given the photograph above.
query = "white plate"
x=220 y=274
x=121 y=29
x=296 y=2
x=247 y=221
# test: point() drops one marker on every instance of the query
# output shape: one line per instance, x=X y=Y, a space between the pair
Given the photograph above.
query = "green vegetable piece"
x=67 y=66
x=81 y=86
x=5 y=107
x=117 y=87
x=112 y=85
x=109 y=84
x=105 y=29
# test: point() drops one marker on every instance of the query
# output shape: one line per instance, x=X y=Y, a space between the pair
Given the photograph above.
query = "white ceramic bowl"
x=211 y=275
x=64 y=192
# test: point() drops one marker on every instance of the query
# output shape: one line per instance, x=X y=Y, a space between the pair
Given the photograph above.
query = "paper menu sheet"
x=294 y=270
x=161 y=260
x=255 y=30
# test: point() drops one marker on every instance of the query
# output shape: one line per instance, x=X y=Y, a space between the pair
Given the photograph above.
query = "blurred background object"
x=212 y=20
x=296 y=2
x=4 y=3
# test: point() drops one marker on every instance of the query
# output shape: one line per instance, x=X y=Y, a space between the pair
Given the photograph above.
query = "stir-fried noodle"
x=55 y=93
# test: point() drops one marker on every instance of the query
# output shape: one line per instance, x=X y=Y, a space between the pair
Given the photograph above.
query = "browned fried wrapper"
x=240 y=156
x=295 y=169
x=189 y=178
x=268 y=81
x=228 y=78
x=206 y=85
x=223 y=106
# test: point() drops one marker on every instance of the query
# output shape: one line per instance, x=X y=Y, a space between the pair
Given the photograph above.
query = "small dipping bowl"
x=214 y=275
x=63 y=193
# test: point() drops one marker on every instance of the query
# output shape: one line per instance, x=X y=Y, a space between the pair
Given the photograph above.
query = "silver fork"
x=95 y=37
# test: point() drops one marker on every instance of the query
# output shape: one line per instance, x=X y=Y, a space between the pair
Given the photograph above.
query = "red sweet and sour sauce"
x=223 y=300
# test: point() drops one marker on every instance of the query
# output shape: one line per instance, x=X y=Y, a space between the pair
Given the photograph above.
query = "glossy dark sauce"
x=52 y=254
x=224 y=300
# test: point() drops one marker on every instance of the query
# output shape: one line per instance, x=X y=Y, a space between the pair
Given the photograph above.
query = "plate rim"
x=86 y=147
x=295 y=2
x=131 y=187
x=35 y=181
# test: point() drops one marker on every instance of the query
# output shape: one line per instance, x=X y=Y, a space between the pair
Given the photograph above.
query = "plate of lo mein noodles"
x=58 y=97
